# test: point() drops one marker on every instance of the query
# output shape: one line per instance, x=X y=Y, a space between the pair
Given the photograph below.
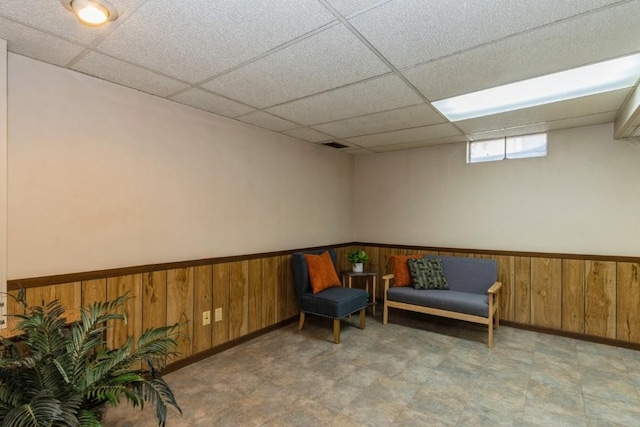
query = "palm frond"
x=40 y=411
x=66 y=372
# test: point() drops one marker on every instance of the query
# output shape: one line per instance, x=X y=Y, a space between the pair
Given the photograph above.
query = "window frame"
x=505 y=153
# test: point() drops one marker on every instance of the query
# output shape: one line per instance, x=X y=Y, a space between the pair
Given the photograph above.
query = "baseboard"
x=574 y=335
x=222 y=347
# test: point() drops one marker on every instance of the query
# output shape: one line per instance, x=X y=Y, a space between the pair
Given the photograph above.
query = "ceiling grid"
x=360 y=72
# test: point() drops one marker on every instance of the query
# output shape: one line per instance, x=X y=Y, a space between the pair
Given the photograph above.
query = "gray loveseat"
x=473 y=294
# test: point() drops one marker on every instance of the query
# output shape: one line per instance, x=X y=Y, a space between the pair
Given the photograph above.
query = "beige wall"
x=101 y=176
x=3 y=173
x=583 y=198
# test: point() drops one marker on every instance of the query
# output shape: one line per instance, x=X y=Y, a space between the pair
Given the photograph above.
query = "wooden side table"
x=348 y=275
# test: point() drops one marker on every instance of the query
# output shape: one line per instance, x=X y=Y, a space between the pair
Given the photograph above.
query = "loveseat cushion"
x=427 y=273
x=336 y=302
x=469 y=274
x=402 y=276
x=461 y=302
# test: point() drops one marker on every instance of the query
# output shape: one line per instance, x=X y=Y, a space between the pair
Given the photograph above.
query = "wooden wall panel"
x=628 y=303
x=292 y=299
x=12 y=308
x=203 y=301
x=119 y=332
x=69 y=295
x=546 y=292
x=506 y=275
x=255 y=295
x=383 y=260
x=600 y=298
x=522 y=290
x=238 y=299
x=221 y=301
x=269 y=291
x=374 y=259
x=282 y=289
x=180 y=307
x=600 y=319
x=341 y=259
x=573 y=295
x=94 y=290
x=154 y=299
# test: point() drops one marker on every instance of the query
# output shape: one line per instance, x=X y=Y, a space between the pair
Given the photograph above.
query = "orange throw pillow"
x=401 y=275
x=322 y=273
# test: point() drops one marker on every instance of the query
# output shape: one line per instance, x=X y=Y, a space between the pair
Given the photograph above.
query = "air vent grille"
x=335 y=144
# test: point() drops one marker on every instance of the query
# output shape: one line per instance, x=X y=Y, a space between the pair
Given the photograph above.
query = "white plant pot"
x=357 y=267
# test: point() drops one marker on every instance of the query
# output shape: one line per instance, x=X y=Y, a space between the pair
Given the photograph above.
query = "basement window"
x=511 y=147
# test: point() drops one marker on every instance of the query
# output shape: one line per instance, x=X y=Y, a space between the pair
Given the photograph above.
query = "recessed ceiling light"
x=583 y=81
x=92 y=12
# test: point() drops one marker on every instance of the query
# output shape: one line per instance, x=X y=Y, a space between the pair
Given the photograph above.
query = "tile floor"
x=416 y=371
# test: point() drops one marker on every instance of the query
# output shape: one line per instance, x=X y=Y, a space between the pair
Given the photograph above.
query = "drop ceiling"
x=359 y=72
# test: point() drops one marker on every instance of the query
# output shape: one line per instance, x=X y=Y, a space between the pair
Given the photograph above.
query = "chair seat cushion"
x=334 y=302
x=460 y=302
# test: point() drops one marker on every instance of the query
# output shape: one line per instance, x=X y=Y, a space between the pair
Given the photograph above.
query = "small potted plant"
x=357 y=257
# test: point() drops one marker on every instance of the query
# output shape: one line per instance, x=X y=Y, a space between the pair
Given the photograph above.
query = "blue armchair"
x=335 y=303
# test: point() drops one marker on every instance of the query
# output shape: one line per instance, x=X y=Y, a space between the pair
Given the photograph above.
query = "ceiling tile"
x=267 y=121
x=406 y=135
x=558 y=47
x=308 y=134
x=588 y=105
x=415 y=115
x=358 y=151
x=213 y=103
x=36 y=44
x=51 y=16
x=200 y=38
x=592 y=119
x=114 y=70
x=419 y=144
x=409 y=32
x=371 y=96
x=347 y=7
x=332 y=58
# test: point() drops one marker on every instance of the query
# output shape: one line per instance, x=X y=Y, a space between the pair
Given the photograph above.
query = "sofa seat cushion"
x=461 y=302
x=336 y=302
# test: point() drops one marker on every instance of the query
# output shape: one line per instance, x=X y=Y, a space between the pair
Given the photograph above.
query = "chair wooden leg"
x=490 y=343
x=362 y=316
x=301 y=322
x=497 y=319
x=336 y=331
x=385 y=314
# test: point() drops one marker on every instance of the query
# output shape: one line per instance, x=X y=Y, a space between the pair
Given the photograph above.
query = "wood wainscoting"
x=581 y=295
x=255 y=294
x=593 y=297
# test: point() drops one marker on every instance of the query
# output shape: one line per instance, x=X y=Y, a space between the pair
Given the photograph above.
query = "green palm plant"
x=63 y=375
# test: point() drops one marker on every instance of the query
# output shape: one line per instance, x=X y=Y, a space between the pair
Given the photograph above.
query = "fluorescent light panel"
x=583 y=81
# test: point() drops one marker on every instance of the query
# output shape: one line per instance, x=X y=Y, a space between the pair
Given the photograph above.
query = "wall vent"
x=335 y=144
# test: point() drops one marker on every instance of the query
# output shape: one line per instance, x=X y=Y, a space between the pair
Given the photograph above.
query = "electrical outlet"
x=206 y=317
x=218 y=314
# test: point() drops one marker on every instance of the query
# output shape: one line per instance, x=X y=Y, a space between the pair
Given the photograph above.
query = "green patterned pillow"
x=426 y=273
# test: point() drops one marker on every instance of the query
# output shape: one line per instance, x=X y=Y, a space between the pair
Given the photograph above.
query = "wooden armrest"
x=495 y=288
x=387 y=278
